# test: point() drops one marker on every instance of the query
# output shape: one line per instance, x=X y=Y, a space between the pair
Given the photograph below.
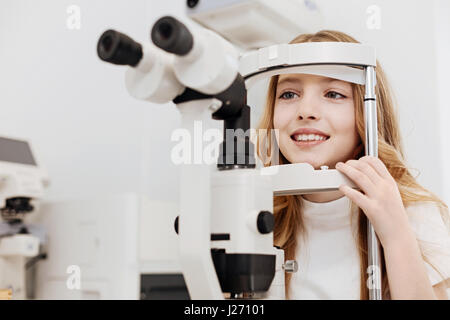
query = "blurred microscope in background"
x=22 y=184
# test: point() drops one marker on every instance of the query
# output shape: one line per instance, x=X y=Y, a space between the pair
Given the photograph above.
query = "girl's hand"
x=380 y=198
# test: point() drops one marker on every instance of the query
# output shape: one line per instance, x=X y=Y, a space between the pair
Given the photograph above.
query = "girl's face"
x=314 y=102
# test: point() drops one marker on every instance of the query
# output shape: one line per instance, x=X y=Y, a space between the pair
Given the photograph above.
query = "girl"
x=326 y=232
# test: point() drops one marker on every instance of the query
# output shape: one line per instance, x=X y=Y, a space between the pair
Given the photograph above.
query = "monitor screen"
x=16 y=151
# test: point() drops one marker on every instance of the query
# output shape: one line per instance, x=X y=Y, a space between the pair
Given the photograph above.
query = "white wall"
x=94 y=138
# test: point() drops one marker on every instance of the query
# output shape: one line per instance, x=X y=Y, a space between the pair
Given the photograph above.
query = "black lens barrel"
x=118 y=48
x=172 y=36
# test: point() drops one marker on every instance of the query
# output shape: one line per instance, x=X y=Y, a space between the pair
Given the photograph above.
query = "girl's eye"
x=288 y=95
x=335 y=95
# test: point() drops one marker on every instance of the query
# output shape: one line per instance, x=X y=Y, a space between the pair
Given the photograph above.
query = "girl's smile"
x=307 y=144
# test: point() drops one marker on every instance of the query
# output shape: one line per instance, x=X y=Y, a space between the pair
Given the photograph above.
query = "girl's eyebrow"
x=289 y=79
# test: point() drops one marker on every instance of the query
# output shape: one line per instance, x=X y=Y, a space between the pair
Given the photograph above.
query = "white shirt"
x=329 y=266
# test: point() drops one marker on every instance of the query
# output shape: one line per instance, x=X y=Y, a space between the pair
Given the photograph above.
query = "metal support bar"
x=371 y=149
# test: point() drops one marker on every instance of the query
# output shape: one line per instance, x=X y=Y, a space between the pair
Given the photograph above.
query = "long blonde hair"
x=288 y=210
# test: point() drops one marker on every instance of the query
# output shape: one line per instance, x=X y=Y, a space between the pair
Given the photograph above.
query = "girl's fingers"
x=378 y=165
x=358 y=177
x=366 y=167
x=357 y=197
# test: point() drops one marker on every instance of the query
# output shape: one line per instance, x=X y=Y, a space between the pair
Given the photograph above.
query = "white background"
x=94 y=139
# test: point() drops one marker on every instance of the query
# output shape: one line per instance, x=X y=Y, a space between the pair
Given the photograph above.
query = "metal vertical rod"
x=371 y=149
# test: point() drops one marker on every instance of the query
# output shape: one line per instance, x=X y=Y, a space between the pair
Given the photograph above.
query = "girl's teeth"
x=309 y=137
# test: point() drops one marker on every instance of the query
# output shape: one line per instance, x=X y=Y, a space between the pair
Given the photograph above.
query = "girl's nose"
x=308 y=107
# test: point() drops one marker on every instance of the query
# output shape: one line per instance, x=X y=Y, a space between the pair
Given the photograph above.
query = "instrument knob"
x=265 y=222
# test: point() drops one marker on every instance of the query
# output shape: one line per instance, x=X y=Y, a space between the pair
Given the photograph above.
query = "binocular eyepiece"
x=172 y=36
x=167 y=33
x=116 y=47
